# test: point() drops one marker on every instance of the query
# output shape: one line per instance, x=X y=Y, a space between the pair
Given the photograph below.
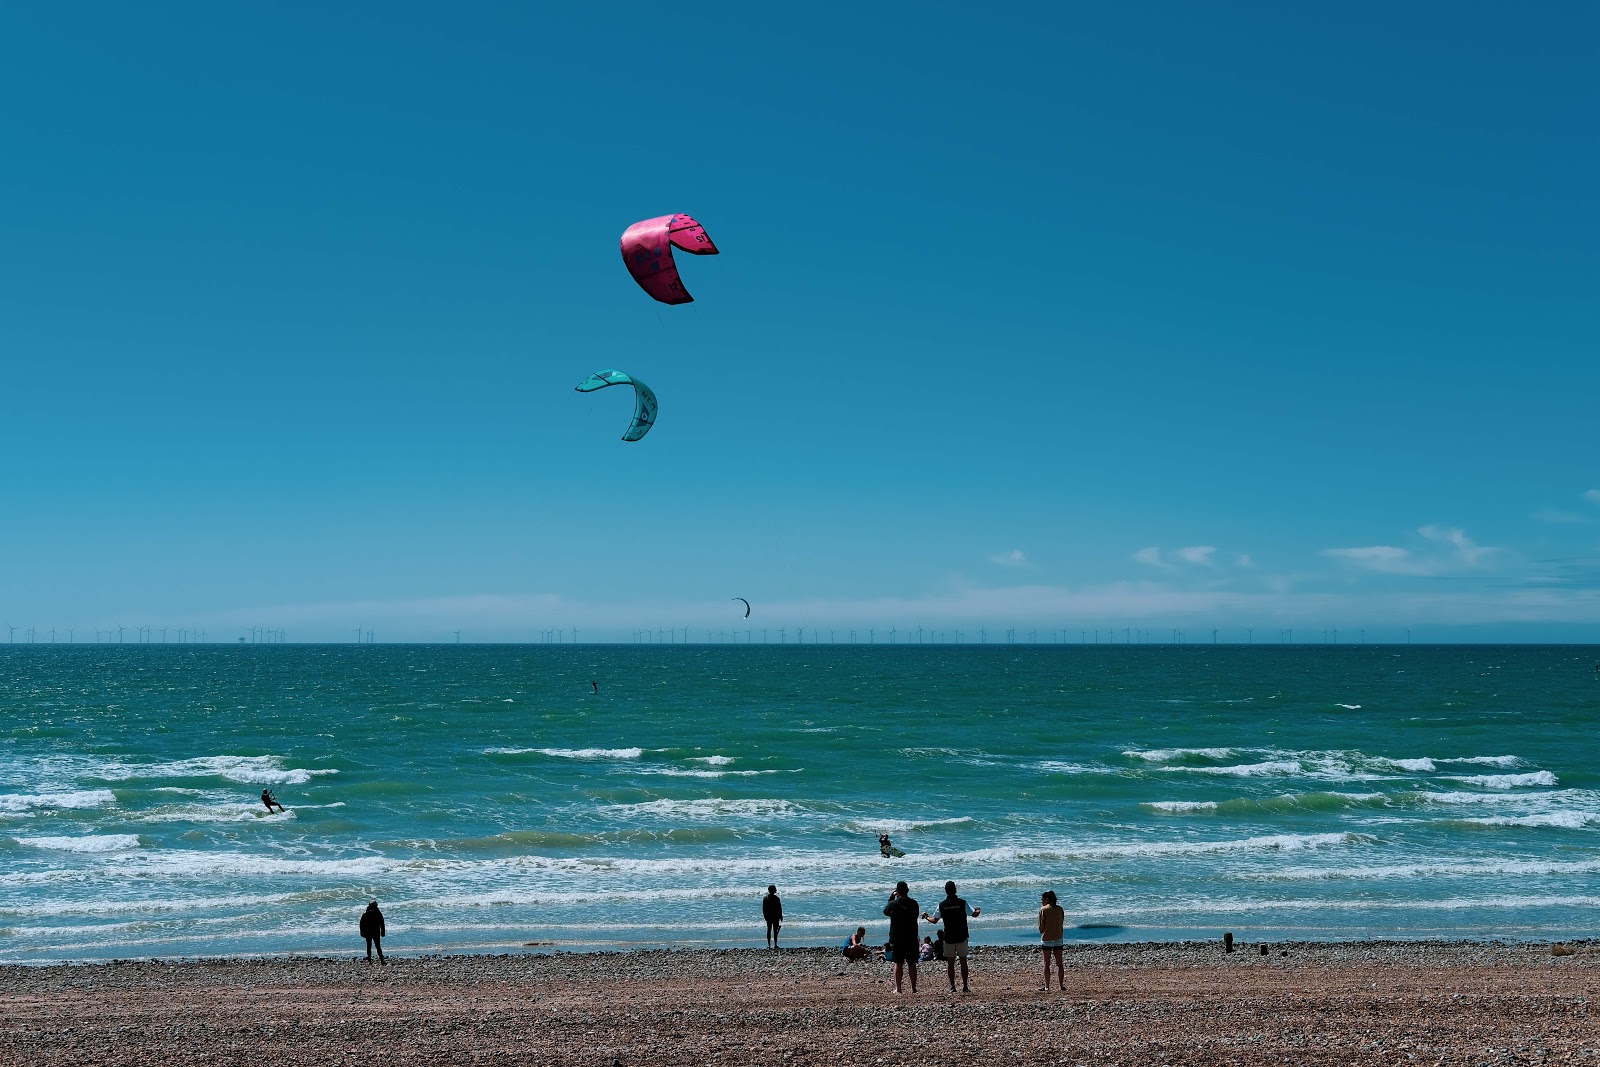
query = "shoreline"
x=1134 y=1003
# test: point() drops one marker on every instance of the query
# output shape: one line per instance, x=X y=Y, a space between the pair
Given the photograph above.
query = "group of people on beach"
x=953 y=945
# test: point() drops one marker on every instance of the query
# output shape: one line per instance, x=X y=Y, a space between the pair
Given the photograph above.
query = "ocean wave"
x=706 y=808
x=1179 y=807
x=1420 y=765
x=712 y=761
x=1568 y=820
x=679 y=772
x=93 y=843
x=1490 y=761
x=1051 y=766
x=898 y=826
x=1506 y=781
x=251 y=770
x=86 y=798
x=230 y=812
x=1167 y=755
x=571 y=753
x=1269 y=768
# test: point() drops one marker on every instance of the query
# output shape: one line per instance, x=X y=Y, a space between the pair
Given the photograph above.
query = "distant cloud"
x=1592 y=495
x=1561 y=518
x=1470 y=552
x=1245 y=561
x=1200 y=555
x=1151 y=557
x=1384 y=559
x=1015 y=558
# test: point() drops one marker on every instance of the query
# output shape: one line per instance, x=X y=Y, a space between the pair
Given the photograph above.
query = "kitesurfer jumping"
x=269 y=800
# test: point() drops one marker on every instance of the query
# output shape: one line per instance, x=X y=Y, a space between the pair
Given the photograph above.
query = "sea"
x=493 y=801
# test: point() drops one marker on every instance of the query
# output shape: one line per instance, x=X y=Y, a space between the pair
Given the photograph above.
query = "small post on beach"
x=1264 y=950
x=1227 y=942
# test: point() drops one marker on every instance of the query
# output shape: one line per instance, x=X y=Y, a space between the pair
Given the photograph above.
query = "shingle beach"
x=1346 y=1003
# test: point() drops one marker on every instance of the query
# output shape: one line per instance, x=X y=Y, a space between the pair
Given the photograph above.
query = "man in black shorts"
x=902 y=911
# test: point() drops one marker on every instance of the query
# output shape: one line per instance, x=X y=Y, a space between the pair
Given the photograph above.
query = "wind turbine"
x=763 y=635
x=30 y=635
x=1033 y=637
x=1213 y=635
x=575 y=635
x=892 y=632
x=782 y=635
x=830 y=635
x=70 y=638
x=800 y=634
x=983 y=635
x=919 y=635
x=13 y=630
x=52 y=635
x=458 y=637
x=872 y=635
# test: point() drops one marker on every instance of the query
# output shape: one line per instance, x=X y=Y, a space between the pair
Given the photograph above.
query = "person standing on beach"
x=269 y=800
x=902 y=911
x=772 y=911
x=953 y=912
x=373 y=929
x=1052 y=927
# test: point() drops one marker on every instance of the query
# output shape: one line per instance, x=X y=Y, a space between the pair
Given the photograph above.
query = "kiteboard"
x=891 y=852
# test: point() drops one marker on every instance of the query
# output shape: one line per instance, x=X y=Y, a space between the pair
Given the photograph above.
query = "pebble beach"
x=1304 y=1003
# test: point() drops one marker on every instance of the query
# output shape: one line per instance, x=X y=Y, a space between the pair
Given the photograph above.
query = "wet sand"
x=1360 y=1003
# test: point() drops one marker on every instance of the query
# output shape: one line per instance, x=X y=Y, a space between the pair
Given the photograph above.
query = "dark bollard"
x=1227 y=942
x=1263 y=950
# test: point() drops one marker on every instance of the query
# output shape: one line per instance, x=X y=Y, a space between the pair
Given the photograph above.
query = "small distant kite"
x=746 y=604
x=647 y=250
x=644 y=401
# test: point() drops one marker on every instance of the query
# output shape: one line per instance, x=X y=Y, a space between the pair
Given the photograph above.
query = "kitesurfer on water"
x=269 y=800
x=595 y=684
x=884 y=846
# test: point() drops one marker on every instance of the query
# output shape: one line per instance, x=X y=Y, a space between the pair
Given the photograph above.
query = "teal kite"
x=644 y=401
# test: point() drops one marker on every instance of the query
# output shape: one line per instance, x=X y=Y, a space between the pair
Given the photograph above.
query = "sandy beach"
x=1353 y=1003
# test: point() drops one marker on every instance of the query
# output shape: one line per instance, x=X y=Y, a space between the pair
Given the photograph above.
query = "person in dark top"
x=953 y=912
x=772 y=911
x=902 y=911
x=373 y=930
x=885 y=847
x=595 y=684
x=269 y=800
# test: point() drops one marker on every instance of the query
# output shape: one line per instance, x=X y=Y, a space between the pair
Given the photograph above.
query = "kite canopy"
x=746 y=604
x=647 y=250
x=644 y=401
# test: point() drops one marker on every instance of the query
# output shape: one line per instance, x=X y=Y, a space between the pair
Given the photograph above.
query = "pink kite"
x=647 y=250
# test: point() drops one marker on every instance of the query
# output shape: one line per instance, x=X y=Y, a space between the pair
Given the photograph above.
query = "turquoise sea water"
x=489 y=798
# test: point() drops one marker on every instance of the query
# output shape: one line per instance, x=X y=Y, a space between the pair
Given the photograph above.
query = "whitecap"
x=93 y=843
x=896 y=826
x=1349 y=707
x=706 y=808
x=714 y=761
x=1179 y=807
x=87 y=798
x=1269 y=768
x=1506 y=781
x=1420 y=765
x=1569 y=820
x=576 y=753
x=1164 y=755
x=252 y=770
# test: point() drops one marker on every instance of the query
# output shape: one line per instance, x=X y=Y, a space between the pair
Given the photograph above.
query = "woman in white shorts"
x=1052 y=925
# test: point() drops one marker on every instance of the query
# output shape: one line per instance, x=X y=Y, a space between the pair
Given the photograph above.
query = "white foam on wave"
x=1266 y=769
x=252 y=770
x=85 y=798
x=218 y=813
x=1442 y=868
x=93 y=843
x=1568 y=820
x=1489 y=761
x=1349 y=707
x=1507 y=781
x=896 y=826
x=1179 y=807
x=678 y=772
x=1052 y=766
x=1165 y=755
x=707 y=808
x=572 y=753
x=1420 y=765
x=713 y=761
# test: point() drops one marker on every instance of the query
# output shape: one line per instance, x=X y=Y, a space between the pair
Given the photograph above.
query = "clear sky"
x=1167 y=315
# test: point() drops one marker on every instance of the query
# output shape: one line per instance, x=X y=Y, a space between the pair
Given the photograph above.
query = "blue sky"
x=1075 y=316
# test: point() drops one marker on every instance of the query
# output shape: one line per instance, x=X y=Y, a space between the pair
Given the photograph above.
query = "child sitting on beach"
x=926 y=950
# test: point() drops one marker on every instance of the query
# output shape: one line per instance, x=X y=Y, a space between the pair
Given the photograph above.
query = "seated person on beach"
x=269 y=800
x=888 y=951
x=856 y=948
x=938 y=946
x=925 y=950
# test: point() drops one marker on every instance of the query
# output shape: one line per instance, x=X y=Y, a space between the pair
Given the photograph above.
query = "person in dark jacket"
x=373 y=930
x=902 y=911
x=269 y=800
x=772 y=911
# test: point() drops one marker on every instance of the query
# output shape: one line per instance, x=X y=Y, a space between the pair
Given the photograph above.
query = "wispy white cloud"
x=1383 y=559
x=1470 y=552
x=1559 y=517
x=1015 y=558
x=1592 y=495
x=1200 y=555
x=1151 y=557
x=1244 y=561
